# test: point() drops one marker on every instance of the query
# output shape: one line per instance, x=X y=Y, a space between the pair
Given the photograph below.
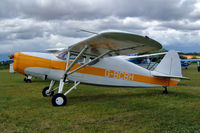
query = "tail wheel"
x=165 y=91
x=59 y=100
x=46 y=93
x=28 y=81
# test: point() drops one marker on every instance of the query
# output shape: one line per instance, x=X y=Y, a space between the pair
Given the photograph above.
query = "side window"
x=81 y=60
x=93 y=63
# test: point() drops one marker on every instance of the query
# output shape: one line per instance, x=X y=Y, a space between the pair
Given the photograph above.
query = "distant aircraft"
x=146 y=62
x=186 y=62
x=96 y=62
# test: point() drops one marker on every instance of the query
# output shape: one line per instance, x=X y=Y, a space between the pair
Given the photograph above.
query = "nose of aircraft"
x=16 y=60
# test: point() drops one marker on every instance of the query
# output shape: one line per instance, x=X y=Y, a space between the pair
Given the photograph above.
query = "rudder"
x=170 y=65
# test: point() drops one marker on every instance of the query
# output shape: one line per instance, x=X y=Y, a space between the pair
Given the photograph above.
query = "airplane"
x=96 y=62
x=187 y=62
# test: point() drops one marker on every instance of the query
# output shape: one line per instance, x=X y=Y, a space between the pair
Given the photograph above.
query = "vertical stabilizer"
x=170 y=65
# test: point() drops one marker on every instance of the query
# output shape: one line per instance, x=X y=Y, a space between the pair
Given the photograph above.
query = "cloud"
x=184 y=25
x=40 y=24
x=97 y=9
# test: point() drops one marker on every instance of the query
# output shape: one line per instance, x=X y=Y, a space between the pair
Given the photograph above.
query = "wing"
x=119 y=43
x=142 y=56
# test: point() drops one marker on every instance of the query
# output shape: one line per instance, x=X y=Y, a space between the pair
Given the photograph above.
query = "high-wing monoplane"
x=96 y=62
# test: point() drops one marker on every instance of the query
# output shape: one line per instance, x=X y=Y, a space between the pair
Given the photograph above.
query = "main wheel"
x=46 y=93
x=59 y=100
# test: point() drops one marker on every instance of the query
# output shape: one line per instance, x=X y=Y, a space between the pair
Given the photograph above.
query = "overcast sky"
x=35 y=25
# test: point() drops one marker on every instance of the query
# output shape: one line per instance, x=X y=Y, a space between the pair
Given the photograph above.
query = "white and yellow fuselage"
x=109 y=71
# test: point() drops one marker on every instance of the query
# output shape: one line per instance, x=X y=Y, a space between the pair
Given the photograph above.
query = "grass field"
x=100 y=109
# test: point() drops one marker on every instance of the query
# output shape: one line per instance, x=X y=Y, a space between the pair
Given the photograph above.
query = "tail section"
x=169 y=67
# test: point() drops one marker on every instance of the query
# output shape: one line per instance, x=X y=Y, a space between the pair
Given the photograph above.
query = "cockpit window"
x=62 y=54
x=84 y=59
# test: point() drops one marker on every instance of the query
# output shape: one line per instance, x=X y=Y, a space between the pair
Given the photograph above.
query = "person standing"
x=198 y=66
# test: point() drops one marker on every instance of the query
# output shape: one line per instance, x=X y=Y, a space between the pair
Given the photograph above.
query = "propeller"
x=11 y=56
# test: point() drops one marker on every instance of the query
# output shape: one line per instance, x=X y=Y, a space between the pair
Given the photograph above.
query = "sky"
x=36 y=25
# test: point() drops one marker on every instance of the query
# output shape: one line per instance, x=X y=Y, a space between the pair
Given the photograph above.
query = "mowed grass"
x=100 y=109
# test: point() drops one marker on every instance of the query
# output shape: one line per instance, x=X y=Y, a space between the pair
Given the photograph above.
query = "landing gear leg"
x=47 y=91
x=60 y=99
x=165 y=91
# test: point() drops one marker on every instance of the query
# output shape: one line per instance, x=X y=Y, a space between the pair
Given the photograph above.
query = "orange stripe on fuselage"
x=22 y=61
x=26 y=61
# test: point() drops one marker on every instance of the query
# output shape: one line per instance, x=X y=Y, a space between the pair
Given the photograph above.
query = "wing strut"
x=64 y=77
x=76 y=60
x=60 y=95
x=69 y=73
x=67 y=69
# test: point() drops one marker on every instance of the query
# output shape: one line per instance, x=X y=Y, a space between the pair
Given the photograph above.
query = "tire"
x=165 y=92
x=25 y=79
x=45 y=94
x=59 y=100
x=28 y=81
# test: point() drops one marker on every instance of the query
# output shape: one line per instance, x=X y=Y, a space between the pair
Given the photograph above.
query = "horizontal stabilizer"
x=157 y=74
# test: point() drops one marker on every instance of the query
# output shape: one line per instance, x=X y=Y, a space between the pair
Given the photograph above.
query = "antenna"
x=88 y=31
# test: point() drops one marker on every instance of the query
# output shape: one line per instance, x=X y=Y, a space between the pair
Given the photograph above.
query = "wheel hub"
x=59 y=100
x=47 y=92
